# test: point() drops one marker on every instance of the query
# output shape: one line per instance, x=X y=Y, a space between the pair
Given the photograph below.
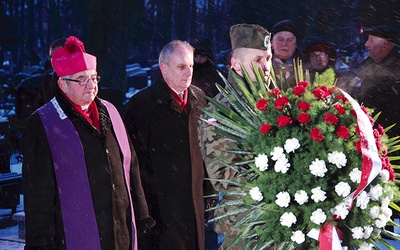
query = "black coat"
x=172 y=170
x=44 y=226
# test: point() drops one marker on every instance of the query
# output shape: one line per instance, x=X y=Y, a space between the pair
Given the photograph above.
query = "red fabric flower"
x=265 y=128
x=381 y=130
x=299 y=90
x=303 y=118
x=342 y=97
x=303 y=84
x=303 y=106
x=316 y=134
x=343 y=132
x=339 y=108
x=357 y=145
x=283 y=120
x=331 y=119
x=262 y=104
x=321 y=92
x=281 y=101
x=274 y=92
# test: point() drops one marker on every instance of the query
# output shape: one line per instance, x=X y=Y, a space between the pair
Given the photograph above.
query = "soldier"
x=250 y=43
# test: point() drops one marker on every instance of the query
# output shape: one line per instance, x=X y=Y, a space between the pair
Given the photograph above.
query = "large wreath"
x=315 y=162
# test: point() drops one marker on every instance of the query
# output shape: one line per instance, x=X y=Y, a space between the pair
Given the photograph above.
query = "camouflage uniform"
x=214 y=150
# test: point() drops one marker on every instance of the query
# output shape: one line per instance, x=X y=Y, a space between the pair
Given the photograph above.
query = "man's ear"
x=61 y=85
x=235 y=64
x=163 y=67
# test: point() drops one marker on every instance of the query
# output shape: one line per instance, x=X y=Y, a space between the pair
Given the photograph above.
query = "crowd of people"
x=96 y=180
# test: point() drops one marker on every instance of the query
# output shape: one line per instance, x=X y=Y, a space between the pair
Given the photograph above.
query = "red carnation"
x=381 y=130
x=303 y=106
x=343 y=132
x=303 y=118
x=283 y=120
x=316 y=134
x=274 y=92
x=321 y=92
x=265 y=128
x=281 y=101
x=342 y=97
x=298 y=90
x=303 y=84
x=339 y=108
x=392 y=174
x=262 y=104
x=331 y=119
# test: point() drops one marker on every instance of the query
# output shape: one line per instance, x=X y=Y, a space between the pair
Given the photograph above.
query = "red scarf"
x=182 y=102
x=91 y=114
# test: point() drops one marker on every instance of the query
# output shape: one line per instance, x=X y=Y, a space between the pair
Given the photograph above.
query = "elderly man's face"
x=245 y=56
x=178 y=71
x=81 y=95
x=284 y=44
x=376 y=47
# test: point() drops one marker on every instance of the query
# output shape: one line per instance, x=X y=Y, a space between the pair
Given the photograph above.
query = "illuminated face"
x=178 y=71
x=261 y=58
x=284 y=44
x=319 y=60
x=81 y=95
x=375 y=47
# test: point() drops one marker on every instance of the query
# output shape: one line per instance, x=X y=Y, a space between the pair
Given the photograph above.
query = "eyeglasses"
x=84 y=82
x=321 y=56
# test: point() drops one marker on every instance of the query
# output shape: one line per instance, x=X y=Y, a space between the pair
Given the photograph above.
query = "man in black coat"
x=162 y=121
x=79 y=167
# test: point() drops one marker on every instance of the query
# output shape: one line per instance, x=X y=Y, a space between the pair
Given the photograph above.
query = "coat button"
x=113 y=186
x=107 y=150
x=117 y=224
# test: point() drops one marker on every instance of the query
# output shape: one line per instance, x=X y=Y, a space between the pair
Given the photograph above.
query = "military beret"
x=386 y=32
x=286 y=25
x=251 y=36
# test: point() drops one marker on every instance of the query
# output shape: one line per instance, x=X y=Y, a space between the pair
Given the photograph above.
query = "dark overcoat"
x=44 y=225
x=172 y=170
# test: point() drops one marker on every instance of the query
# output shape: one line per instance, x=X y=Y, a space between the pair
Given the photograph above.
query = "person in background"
x=80 y=171
x=250 y=44
x=285 y=40
x=377 y=84
x=205 y=75
x=162 y=121
x=320 y=55
x=48 y=85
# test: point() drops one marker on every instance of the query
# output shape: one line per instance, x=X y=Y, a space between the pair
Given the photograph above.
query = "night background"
x=121 y=32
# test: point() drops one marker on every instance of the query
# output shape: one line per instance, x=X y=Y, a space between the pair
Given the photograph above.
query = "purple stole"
x=80 y=225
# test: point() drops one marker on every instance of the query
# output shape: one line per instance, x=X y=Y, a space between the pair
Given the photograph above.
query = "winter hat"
x=384 y=31
x=251 y=36
x=319 y=44
x=286 y=25
x=72 y=58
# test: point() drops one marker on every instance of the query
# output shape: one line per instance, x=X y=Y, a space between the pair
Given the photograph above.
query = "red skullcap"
x=72 y=58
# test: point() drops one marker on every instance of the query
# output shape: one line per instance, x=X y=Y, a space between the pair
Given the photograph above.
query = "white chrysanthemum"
x=256 y=194
x=367 y=231
x=366 y=246
x=291 y=145
x=385 y=201
x=282 y=199
x=277 y=153
x=343 y=189
x=301 y=197
x=298 y=237
x=362 y=200
x=374 y=212
x=387 y=211
x=358 y=233
x=282 y=165
x=288 y=219
x=340 y=210
x=381 y=221
x=355 y=175
x=318 y=194
x=318 y=216
x=385 y=175
x=376 y=192
x=318 y=168
x=261 y=162
x=337 y=158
